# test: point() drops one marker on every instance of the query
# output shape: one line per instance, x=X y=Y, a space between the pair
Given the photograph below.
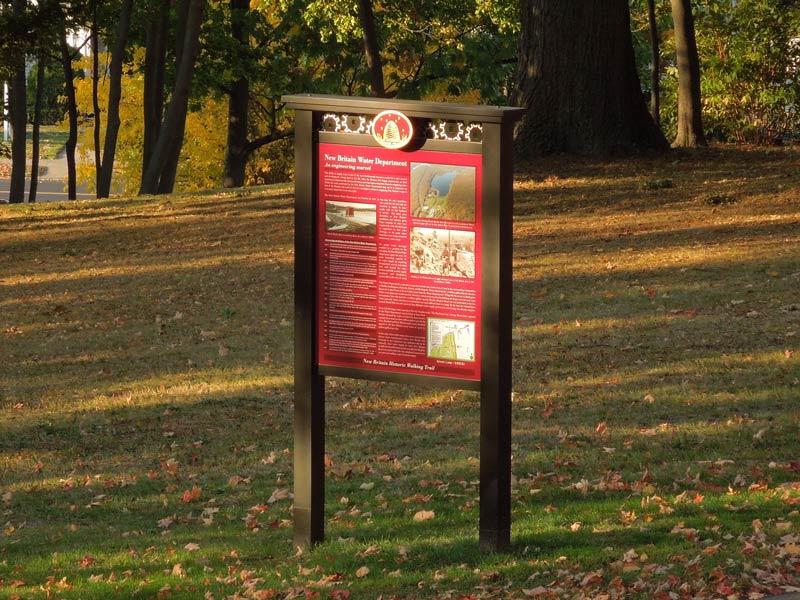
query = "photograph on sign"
x=443 y=192
x=350 y=217
x=442 y=252
x=398 y=251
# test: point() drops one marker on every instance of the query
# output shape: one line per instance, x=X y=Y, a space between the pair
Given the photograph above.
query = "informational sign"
x=399 y=260
x=403 y=256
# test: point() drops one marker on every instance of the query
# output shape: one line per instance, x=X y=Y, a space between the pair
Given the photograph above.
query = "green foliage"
x=53 y=99
x=751 y=55
x=454 y=50
x=750 y=70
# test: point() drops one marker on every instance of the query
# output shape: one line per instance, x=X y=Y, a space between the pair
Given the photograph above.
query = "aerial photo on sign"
x=443 y=192
x=350 y=217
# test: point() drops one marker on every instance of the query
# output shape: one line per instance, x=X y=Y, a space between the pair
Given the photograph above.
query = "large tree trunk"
x=236 y=149
x=37 y=121
x=371 y=48
x=72 y=116
x=577 y=78
x=655 y=68
x=18 y=97
x=154 y=68
x=114 y=98
x=159 y=177
x=690 y=120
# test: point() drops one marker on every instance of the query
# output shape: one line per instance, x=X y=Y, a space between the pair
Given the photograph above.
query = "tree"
x=114 y=97
x=154 y=78
x=18 y=97
x=66 y=58
x=371 y=47
x=159 y=175
x=577 y=77
x=690 y=118
x=37 y=121
x=239 y=147
x=447 y=50
x=655 y=65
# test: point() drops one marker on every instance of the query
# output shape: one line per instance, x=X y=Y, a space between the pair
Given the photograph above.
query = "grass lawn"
x=146 y=401
x=52 y=139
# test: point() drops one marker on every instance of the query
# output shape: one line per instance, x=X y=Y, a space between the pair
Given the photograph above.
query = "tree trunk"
x=18 y=97
x=154 y=67
x=371 y=48
x=95 y=45
x=236 y=149
x=114 y=98
x=159 y=177
x=182 y=14
x=577 y=78
x=72 y=116
x=690 y=120
x=37 y=121
x=655 y=68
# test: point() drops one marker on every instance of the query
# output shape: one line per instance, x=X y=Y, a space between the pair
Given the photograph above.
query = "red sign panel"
x=399 y=261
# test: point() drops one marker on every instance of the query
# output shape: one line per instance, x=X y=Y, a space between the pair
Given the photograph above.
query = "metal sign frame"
x=495 y=149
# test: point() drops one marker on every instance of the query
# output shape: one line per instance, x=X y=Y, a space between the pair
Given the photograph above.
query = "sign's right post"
x=497 y=307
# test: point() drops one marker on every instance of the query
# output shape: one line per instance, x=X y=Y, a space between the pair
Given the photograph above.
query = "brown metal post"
x=495 y=434
x=309 y=386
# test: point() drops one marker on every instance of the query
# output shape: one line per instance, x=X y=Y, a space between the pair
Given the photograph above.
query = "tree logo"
x=392 y=129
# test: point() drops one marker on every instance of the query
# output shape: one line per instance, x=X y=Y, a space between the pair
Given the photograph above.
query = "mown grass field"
x=146 y=401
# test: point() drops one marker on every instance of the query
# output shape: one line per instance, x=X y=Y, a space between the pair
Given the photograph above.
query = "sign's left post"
x=309 y=385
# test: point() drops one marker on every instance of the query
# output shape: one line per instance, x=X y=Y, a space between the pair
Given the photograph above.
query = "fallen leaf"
x=424 y=515
x=192 y=495
x=191 y=547
x=278 y=495
x=362 y=572
x=592 y=578
x=166 y=522
x=87 y=561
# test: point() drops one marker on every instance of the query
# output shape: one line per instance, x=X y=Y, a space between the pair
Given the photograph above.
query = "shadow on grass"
x=139 y=334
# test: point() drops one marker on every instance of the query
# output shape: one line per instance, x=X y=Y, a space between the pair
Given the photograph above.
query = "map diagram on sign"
x=451 y=339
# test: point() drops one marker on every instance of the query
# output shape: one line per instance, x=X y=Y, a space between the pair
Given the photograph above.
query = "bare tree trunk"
x=655 y=69
x=114 y=98
x=236 y=148
x=371 y=48
x=18 y=96
x=159 y=177
x=95 y=45
x=72 y=116
x=690 y=119
x=37 y=121
x=577 y=78
x=154 y=67
x=182 y=14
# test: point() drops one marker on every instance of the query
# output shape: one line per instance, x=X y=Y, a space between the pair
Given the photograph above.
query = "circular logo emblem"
x=392 y=129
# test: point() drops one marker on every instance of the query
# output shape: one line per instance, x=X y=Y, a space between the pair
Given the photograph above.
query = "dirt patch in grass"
x=146 y=387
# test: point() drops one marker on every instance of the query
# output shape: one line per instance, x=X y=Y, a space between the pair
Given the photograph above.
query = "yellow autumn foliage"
x=203 y=152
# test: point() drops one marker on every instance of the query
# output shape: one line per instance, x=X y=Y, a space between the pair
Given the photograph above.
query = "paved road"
x=48 y=190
